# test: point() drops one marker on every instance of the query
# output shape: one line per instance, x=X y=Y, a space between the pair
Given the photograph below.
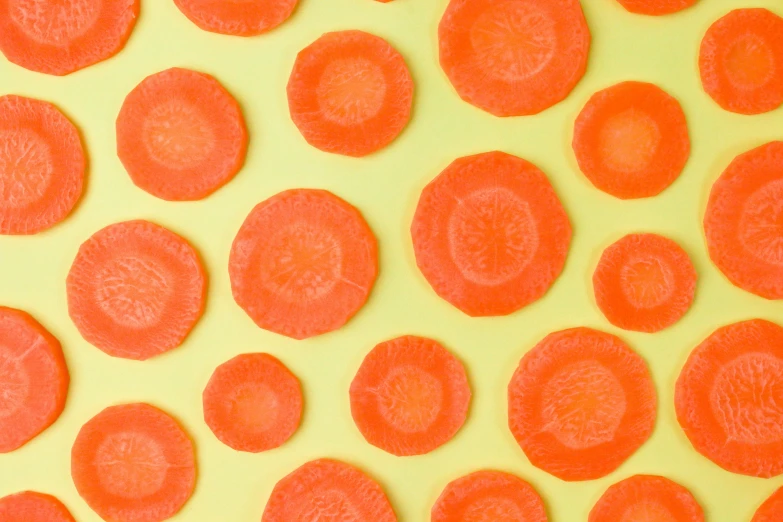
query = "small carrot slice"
x=646 y=497
x=181 y=135
x=631 y=140
x=31 y=506
x=350 y=93
x=490 y=234
x=410 y=396
x=303 y=263
x=581 y=403
x=656 y=7
x=237 y=17
x=136 y=289
x=771 y=510
x=33 y=379
x=644 y=282
x=729 y=398
x=133 y=462
x=62 y=37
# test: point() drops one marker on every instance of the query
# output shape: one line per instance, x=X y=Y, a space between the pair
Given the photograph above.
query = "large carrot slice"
x=729 y=398
x=57 y=37
x=135 y=290
x=181 y=135
x=644 y=282
x=303 y=263
x=646 y=497
x=42 y=165
x=490 y=234
x=771 y=510
x=31 y=506
x=410 y=396
x=237 y=17
x=656 y=7
x=514 y=58
x=350 y=93
x=631 y=140
x=580 y=403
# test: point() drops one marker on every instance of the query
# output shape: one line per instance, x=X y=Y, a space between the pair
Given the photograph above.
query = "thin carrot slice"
x=350 y=93
x=646 y=497
x=328 y=489
x=743 y=218
x=133 y=462
x=42 y=165
x=490 y=234
x=581 y=403
x=729 y=398
x=56 y=37
x=771 y=510
x=410 y=396
x=33 y=379
x=644 y=282
x=631 y=140
x=741 y=61
x=135 y=290
x=514 y=58
x=237 y=17
x=31 y=506
x=656 y=7
x=181 y=135
x=303 y=263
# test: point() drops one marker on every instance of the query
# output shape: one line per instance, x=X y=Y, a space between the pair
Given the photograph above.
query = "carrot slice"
x=514 y=58
x=350 y=93
x=31 y=506
x=729 y=398
x=328 y=489
x=237 y=17
x=135 y=290
x=741 y=61
x=62 y=37
x=646 y=497
x=303 y=263
x=742 y=222
x=631 y=140
x=410 y=396
x=181 y=135
x=490 y=496
x=253 y=403
x=490 y=234
x=771 y=510
x=33 y=379
x=644 y=282
x=42 y=165
x=580 y=403
x=656 y=7
x=133 y=462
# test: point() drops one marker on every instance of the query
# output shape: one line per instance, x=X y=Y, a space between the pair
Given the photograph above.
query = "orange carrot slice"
x=729 y=398
x=181 y=135
x=350 y=93
x=135 y=290
x=514 y=58
x=741 y=61
x=631 y=140
x=646 y=497
x=31 y=506
x=490 y=234
x=644 y=282
x=327 y=489
x=410 y=396
x=33 y=379
x=580 y=403
x=303 y=263
x=237 y=17
x=656 y=7
x=771 y=510
x=42 y=165
x=62 y=37
x=742 y=222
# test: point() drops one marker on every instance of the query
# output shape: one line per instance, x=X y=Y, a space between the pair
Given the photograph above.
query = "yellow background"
x=234 y=487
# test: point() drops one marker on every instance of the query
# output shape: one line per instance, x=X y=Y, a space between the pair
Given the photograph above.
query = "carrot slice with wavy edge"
x=237 y=17
x=771 y=510
x=646 y=497
x=656 y=7
x=31 y=506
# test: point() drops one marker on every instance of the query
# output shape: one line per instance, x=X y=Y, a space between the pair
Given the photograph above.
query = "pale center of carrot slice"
x=761 y=224
x=178 y=135
x=26 y=168
x=750 y=62
x=330 y=505
x=14 y=383
x=351 y=90
x=646 y=282
x=629 y=141
x=131 y=465
x=55 y=22
x=133 y=291
x=493 y=509
x=410 y=399
x=645 y=511
x=255 y=406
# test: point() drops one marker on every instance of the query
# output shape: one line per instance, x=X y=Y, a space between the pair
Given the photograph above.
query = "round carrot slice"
x=729 y=398
x=237 y=17
x=490 y=234
x=303 y=263
x=580 y=403
x=656 y=7
x=514 y=58
x=410 y=396
x=181 y=135
x=631 y=140
x=741 y=61
x=644 y=282
x=646 y=497
x=771 y=510
x=57 y=37
x=42 y=165
x=135 y=290
x=30 y=506
x=33 y=379
x=350 y=93
x=327 y=489
x=253 y=403
x=133 y=462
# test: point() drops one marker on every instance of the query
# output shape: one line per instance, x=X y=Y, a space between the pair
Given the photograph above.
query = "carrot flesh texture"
x=237 y=17
x=646 y=497
x=656 y=7
x=31 y=506
x=771 y=510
